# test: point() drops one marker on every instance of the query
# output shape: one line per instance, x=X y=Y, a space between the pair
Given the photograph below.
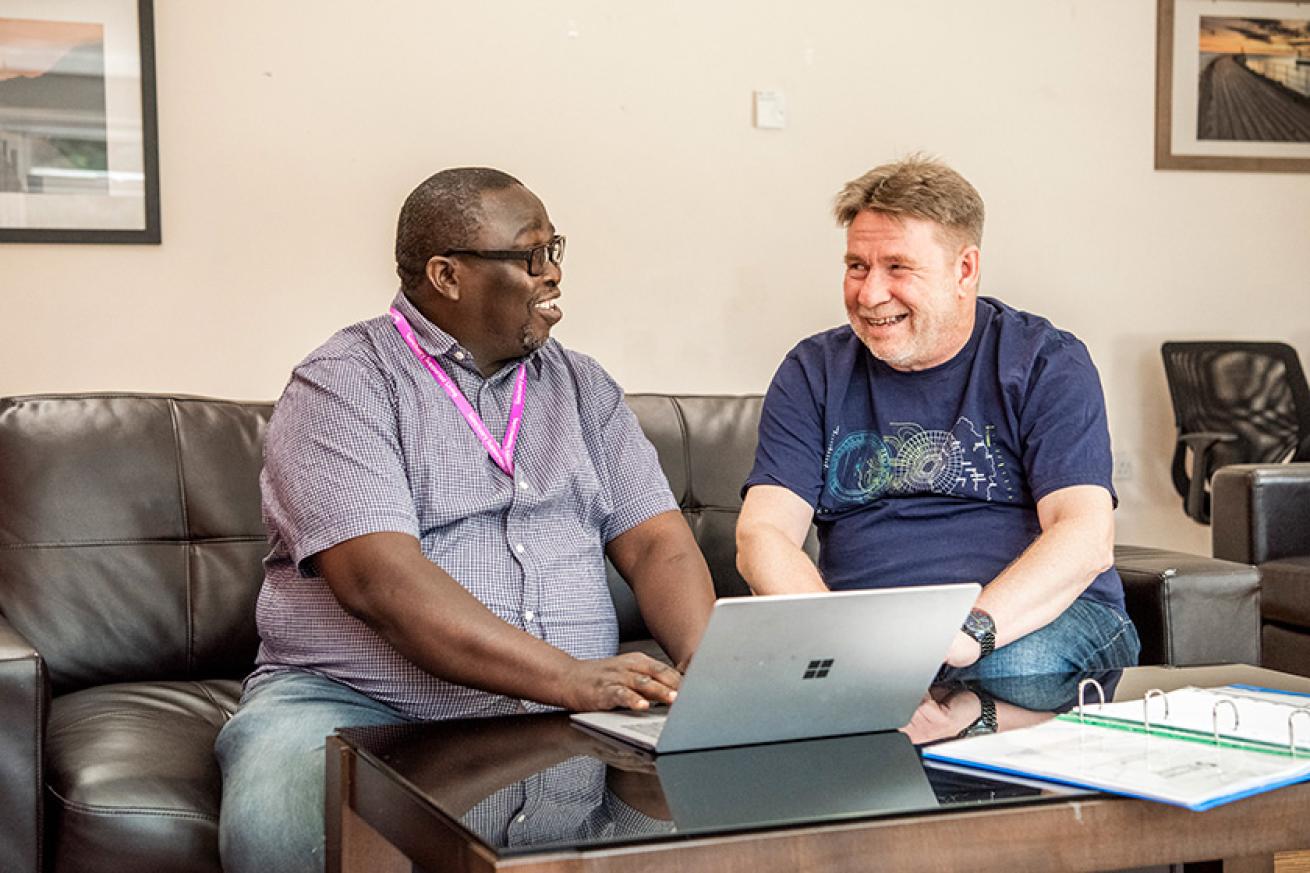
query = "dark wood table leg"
x=352 y=845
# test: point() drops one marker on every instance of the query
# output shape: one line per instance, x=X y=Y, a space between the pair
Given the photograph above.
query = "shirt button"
x=521 y=819
x=459 y=356
x=529 y=615
x=523 y=483
x=518 y=547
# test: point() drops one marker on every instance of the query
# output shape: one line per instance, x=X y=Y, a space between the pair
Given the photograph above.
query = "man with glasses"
x=442 y=485
x=942 y=437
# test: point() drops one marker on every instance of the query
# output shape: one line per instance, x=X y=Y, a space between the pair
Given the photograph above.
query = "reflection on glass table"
x=532 y=782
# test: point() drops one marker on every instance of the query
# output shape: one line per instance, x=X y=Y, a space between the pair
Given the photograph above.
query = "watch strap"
x=986 y=722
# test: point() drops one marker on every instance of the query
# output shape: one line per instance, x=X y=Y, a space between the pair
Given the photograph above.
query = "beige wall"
x=700 y=248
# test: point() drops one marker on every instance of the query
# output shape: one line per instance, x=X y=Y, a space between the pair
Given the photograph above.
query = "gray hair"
x=917 y=186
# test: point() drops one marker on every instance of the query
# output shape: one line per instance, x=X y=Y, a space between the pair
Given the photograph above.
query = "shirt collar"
x=439 y=344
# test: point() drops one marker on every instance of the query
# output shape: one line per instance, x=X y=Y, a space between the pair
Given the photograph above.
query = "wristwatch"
x=985 y=723
x=979 y=625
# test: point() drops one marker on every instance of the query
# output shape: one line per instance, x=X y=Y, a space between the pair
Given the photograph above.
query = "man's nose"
x=873 y=290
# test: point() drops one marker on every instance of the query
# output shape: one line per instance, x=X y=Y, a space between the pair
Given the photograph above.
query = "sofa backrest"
x=130 y=534
x=706 y=445
x=131 y=540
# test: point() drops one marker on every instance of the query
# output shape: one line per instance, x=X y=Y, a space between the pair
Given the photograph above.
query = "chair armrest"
x=1190 y=609
x=24 y=705
x=1200 y=444
x=1259 y=512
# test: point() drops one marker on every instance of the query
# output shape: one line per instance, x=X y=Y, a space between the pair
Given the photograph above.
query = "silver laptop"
x=798 y=666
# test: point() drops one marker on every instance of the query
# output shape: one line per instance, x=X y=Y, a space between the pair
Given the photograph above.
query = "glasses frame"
x=554 y=254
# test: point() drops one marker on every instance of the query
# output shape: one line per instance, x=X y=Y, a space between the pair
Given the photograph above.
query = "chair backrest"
x=130 y=534
x=1255 y=393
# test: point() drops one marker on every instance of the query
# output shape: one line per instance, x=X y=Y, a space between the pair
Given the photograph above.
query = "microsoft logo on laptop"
x=818 y=669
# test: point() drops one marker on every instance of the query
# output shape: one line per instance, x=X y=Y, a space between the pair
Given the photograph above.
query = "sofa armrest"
x=1258 y=512
x=24 y=704
x=1190 y=609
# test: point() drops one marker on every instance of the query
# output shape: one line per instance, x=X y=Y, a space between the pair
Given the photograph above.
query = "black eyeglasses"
x=536 y=257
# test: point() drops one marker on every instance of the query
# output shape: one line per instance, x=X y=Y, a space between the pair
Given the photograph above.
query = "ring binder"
x=1214 y=716
x=1291 y=727
x=1146 y=707
x=1082 y=689
x=1176 y=754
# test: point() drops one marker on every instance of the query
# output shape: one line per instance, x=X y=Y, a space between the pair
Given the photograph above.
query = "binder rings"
x=1193 y=747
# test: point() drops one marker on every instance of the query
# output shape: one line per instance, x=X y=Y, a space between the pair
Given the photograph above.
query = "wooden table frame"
x=374 y=823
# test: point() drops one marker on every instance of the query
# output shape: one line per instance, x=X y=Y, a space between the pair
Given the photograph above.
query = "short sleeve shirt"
x=363 y=440
x=934 y=476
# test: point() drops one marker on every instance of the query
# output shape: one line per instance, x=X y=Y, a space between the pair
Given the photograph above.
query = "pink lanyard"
x=503 y=456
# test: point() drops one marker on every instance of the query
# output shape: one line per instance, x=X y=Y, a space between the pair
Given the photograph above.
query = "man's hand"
x=935 y=720
x=964 y=650
x=632 y=681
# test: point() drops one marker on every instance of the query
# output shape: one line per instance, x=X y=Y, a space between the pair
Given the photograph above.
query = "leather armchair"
x=1261 y=515
x=130 y=561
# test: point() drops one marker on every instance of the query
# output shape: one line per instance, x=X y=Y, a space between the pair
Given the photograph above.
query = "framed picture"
x=78 y=145
x=1233 y=85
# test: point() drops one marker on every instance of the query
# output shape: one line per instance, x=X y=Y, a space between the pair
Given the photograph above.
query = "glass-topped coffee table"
x=535 y=793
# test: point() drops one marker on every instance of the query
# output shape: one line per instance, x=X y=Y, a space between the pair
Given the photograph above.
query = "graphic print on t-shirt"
x=865 y=465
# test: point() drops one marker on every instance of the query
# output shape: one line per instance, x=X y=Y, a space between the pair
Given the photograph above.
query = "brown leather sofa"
x=130 y=549
x=1260 y=514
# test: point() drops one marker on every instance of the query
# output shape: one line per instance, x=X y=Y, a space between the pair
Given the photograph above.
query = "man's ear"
x=443 y=275
x=967 y=267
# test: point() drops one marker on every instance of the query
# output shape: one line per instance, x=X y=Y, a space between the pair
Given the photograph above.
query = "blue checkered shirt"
x=363 y=440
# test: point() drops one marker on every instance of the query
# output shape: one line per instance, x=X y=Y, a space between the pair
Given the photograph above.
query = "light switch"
x=770 y=110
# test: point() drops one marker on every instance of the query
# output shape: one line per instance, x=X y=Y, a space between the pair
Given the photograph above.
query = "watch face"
x=978 y=622
x=980 y=626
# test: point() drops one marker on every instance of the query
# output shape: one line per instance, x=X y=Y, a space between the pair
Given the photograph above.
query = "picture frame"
x=79 y=153
x=1233 y=85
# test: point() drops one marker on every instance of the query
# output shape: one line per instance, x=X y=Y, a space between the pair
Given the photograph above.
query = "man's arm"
x=945 y=718
x=770 y=534
x=661 y=561
x=386 y=581
x=1075 y=546
x=670 y=578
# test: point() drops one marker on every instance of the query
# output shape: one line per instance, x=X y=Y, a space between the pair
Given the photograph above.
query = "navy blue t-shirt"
x=934 y=476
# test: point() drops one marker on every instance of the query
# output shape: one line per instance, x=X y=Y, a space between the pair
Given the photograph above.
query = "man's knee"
x=273 y=798
x=1039 y=652
x=272 y=756
x=1087 y=636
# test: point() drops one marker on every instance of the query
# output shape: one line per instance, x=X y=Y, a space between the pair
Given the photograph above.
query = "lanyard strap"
x=502 y=455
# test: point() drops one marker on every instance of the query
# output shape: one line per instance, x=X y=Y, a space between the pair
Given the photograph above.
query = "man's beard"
x=532 y=342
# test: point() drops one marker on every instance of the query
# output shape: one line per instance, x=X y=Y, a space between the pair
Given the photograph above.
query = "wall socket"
x=1124 y=470
x=770 y=110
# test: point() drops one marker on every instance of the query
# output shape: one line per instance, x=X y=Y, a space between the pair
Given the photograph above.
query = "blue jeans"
x=1088 y=637
x=273 y=761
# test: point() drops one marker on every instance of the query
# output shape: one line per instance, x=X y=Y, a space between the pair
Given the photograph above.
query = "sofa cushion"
x=1285 y=594
x=131 y=776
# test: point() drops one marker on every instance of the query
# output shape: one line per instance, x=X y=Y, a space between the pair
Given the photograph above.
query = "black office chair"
x=1234 y=403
